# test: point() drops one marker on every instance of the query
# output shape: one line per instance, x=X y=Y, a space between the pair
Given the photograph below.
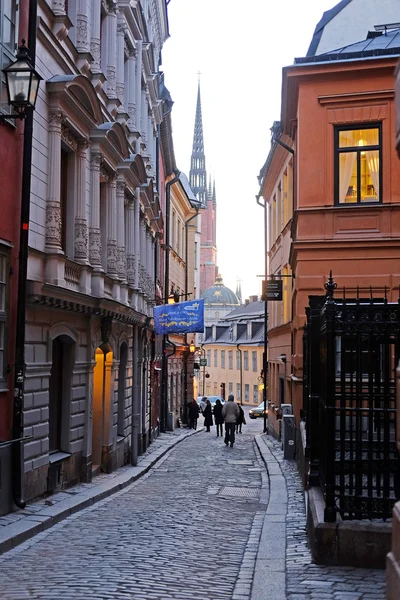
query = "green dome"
x=219 y=295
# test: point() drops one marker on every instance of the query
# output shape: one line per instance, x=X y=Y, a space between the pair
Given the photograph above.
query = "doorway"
x=101 y=406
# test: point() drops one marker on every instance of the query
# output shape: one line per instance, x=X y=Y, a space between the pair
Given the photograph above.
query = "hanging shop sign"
x=272 y=290
x=182 y=317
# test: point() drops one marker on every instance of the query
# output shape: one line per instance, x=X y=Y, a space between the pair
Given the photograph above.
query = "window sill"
x=58 y=457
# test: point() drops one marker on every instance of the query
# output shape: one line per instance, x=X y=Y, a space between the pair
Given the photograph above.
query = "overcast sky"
x=239 y=48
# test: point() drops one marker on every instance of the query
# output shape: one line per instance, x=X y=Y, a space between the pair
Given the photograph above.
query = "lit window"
x=358 y=173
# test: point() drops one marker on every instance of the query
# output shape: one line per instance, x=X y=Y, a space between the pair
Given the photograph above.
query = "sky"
x=240 y=49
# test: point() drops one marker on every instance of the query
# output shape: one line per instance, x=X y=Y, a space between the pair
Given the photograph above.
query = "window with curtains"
x=8 y=44
x=358 y=160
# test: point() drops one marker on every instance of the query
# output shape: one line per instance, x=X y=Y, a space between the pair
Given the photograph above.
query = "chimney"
x=253 y=298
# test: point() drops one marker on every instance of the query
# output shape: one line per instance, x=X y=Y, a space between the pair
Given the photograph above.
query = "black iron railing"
x=351 y=349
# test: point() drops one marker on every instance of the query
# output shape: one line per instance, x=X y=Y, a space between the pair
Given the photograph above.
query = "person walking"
x=207 y=413
x=218 y=418
x=230 y=413
x=240 y=420
x=194 y=411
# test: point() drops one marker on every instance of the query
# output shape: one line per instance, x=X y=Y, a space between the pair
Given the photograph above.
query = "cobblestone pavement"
x=304 y=580
x=188 y=529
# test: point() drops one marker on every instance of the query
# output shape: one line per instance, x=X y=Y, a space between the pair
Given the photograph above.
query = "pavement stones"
x=206 y=522
x=305 y=580
x=187 y=529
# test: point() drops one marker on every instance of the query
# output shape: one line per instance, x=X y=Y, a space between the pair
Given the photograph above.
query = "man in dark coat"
x=194 y=411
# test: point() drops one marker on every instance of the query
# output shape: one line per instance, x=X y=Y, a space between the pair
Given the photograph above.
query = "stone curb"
x=27 y=527
x=270 y=570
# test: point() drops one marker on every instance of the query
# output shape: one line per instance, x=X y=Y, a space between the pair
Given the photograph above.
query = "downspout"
x=19 y=368
x=241 y=374
x=164 y=365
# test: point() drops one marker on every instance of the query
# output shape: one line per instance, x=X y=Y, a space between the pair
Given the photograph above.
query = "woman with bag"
x=207 y=413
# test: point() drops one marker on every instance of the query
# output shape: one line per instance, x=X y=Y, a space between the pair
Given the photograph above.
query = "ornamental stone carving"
x=112 y=257
x=96 y=53
x=95 y=246
x=53 y=224
x=131 y=271
x=121 y=262
x=81 y=239
x=55 y=119
x=111 y=79
x=104 y=174
x=82 y=31
x=58 y=7
x=68 y=138
x=95 y=161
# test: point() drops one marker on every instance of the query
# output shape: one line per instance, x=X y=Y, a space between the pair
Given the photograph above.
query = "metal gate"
x=351 y=349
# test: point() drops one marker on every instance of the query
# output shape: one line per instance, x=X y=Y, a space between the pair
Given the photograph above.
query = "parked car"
x=258 y=411
x=212 y=399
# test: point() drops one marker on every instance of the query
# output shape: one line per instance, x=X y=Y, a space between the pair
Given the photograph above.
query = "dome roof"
x=218 y=295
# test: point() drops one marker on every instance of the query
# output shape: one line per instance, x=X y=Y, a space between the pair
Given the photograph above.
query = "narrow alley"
x=191 y=527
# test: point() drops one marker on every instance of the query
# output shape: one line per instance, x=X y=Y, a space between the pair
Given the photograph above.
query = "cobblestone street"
x=191 y=528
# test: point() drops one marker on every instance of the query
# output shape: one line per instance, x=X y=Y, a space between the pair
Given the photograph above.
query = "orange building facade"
x=393 y=559
x=337 y=130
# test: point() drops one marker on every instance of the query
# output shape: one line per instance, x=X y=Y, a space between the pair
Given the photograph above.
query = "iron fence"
x=351 y=349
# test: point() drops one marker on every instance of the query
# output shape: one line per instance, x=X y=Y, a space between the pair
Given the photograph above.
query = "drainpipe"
x=165 y=342
x=241 y=374
x=19 y=368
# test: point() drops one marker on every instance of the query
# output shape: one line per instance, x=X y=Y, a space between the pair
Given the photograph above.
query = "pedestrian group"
x=230 y=413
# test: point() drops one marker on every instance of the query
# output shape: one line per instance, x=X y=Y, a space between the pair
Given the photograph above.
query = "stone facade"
x=94 y=237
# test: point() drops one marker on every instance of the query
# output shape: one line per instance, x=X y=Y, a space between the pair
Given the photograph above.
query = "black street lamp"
x=22 y=87
x=22 y=83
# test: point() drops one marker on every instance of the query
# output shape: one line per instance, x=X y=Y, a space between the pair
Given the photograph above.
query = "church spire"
x=198 y=174
x=214 y=196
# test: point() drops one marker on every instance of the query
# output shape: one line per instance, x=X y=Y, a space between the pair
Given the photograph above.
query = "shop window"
x=358 y=160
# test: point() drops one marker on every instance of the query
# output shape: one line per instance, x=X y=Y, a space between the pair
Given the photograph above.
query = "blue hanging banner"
x=182 y=317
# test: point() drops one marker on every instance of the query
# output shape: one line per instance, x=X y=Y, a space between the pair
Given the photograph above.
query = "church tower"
x=198 y=183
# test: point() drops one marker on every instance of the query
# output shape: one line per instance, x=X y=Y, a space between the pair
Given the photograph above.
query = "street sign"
x=272 y=290
x=203 y=362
